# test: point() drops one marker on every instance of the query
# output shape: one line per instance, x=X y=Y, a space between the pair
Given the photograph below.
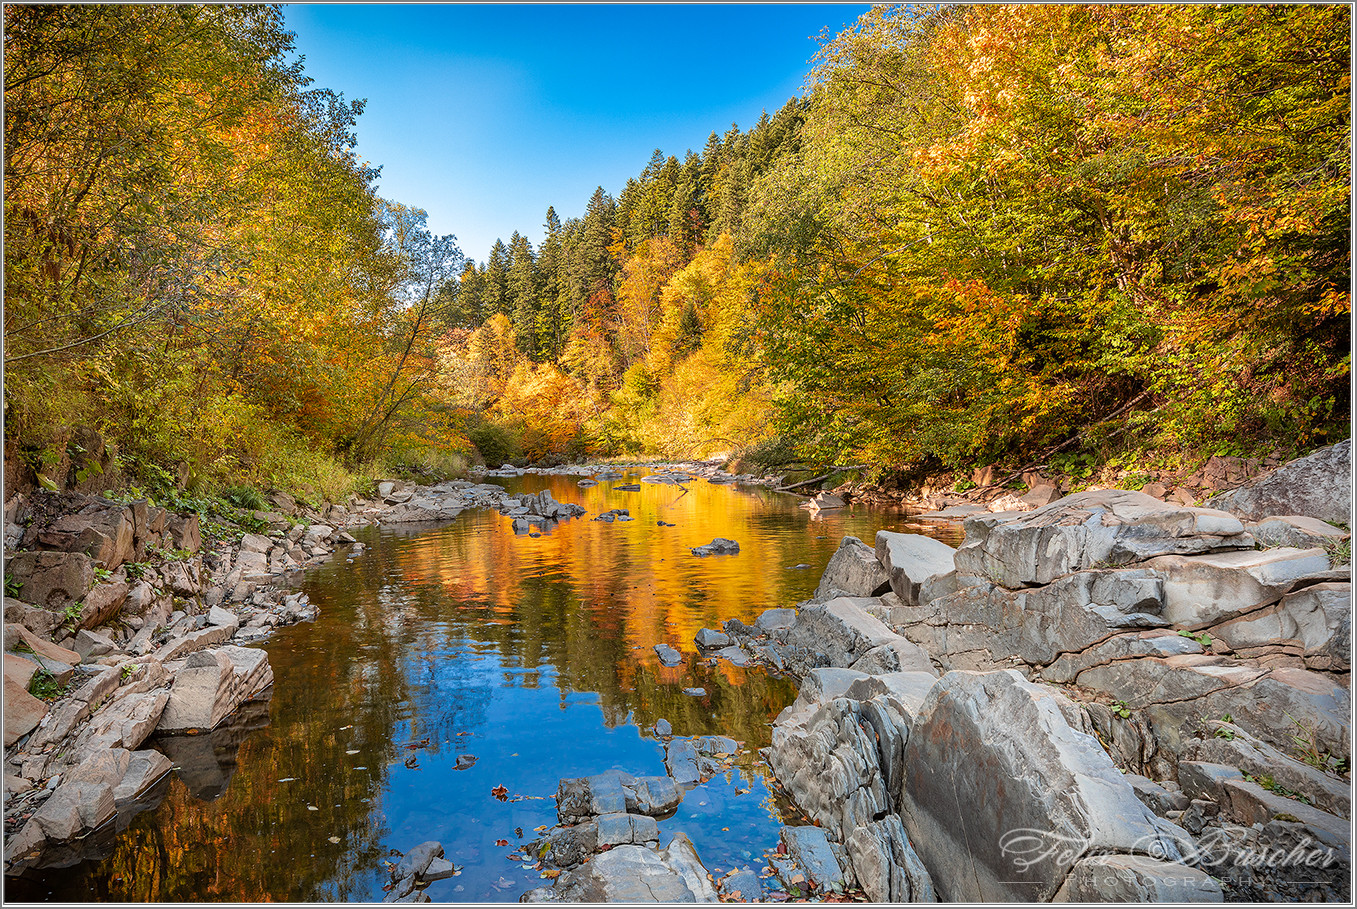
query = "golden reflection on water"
x=535 y=654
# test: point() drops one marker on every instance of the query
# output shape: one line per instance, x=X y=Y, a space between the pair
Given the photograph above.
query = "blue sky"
x=486 y=114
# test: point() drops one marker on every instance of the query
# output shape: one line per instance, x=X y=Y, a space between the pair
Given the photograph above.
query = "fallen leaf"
x=351 y=752
x=501 y=793
x=342 y=728
x=334 y=839
x=312 y=808
x=288 y=779
x=501 y=842
x=552 y=874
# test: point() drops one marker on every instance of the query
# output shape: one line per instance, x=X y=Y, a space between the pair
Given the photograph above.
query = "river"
x=534 y=655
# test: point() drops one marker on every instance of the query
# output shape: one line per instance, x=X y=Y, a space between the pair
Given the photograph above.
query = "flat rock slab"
x=1091 y=529
x=1237 y=749
x=1251 y=804
x=1295 y=530
x=1201 y=590
x=1002 y=748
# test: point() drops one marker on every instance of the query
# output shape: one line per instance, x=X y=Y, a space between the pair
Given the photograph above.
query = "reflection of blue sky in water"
x=534 y=655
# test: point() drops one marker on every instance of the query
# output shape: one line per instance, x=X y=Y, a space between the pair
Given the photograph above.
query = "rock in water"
x=718 y=546
x=668 y=655
x=853 y=569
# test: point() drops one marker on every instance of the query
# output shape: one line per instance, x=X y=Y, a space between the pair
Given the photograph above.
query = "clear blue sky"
x=484 y=115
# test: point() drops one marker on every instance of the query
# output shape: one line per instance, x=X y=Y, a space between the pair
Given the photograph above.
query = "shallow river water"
x=534 y=655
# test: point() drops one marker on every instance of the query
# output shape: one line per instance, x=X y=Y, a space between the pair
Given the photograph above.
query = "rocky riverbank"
x=1133 y=700
x=1105 y=698
x=124 y=619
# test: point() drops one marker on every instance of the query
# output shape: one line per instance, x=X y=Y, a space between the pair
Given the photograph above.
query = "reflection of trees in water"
x=388 y=658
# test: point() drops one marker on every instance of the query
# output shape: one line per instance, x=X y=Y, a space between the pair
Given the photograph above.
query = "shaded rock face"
x=1318 y=485
x=854 y=570
x=995 y=777
x=52 y=580
x=1088 y=530
x=102 y=531
x=1272 y=705
x=839 y=752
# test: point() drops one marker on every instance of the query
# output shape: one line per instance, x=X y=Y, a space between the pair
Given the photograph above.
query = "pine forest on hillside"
x=982 y=234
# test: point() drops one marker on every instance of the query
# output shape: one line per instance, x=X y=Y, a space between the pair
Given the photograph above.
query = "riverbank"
x=803 y=643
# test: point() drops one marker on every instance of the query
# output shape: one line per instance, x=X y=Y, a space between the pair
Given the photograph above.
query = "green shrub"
x=495 y=442
x=246 y=497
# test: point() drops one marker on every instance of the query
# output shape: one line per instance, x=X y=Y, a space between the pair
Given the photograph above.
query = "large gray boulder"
x=912 y=560
x=1002 y=795
x=840 y=630
x=1318 y=485
x=853 y=570
x=1200 y=590
x=1099 y=528
x=212 y=684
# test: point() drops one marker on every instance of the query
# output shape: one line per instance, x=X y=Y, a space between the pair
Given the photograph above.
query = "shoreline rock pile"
x=1129 y=699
